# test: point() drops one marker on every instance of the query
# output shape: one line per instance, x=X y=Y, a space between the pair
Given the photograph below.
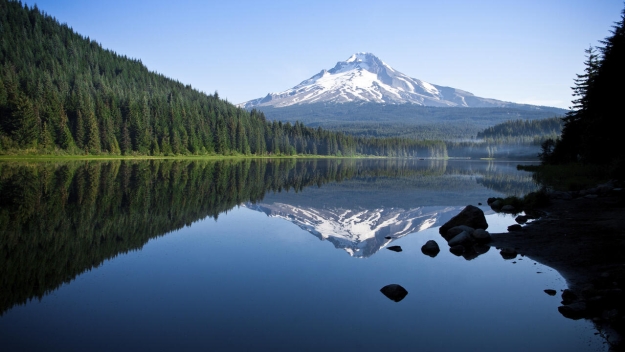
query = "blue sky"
x=520 y=51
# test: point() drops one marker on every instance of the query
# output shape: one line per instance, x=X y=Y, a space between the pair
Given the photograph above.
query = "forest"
x=62 y=93
x=590 y=134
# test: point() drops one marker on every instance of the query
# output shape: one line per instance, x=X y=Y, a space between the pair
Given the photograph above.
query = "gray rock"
x=508 y=209
x=394 y=292
x=481 y=235
x=481 y=248
x=508 y=253
x=471 y=216
x=394 y=248
x=460 y=238
x=457 y=250
x=430 y=248
x=456 y=230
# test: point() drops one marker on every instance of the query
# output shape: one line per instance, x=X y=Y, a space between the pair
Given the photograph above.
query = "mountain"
x=360 y=232
x=363 y=77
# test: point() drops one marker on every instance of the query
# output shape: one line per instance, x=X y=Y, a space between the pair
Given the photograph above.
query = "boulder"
x=508 y=209
x=551 y=292
x=481 y=235
x=471 y=216
x=508 y=253
x=394 y=292
x=457 y=250
x=489 y=201
x=568 y=296
x=480 y=248
x=521 y=219
x=515 y=227
x=460 y=238
x=394 y=248
x=430 y=248
x=456 y=230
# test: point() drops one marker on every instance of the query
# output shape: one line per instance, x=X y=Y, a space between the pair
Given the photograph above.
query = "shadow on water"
x=58 y=220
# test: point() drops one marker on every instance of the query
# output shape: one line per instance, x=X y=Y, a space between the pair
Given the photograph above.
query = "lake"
x=265 y=255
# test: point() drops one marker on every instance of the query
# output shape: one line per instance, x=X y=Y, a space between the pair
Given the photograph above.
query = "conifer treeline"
x=591 y=134
x=60 y=91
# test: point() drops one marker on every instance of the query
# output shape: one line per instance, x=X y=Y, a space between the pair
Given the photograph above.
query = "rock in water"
x=481 y=235
x=550 y=292
x=395 y=248
x=457 y=250
x=515 y=227
x=471 y=216
x=430 y=248
x=460 y=238
x=508 y=253
x=394 y=292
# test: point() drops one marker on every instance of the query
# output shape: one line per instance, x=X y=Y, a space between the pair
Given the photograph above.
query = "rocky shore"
x=582 y=236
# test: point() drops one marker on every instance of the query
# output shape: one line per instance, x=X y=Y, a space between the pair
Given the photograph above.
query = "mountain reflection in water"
x=59 y=219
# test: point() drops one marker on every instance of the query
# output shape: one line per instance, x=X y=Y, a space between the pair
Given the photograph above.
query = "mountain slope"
x=365 y=78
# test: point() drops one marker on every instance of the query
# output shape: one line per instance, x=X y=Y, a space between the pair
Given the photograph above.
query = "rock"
x=388 y=237
x=591 y=196
x=456 y=230
x=573 y=311
x=521 y=219
x=457 y=250
x=430 y=248
x=508 y=253
x=489 y=201
x=394 y=292
x=480 y=248
x=508 y=209
x=550 y=292
x=460 y=238
x=568 y=296
x=481 y=235
x=515 y=227
x=479 y=203
x=471 y=216
x=395 y=248
x=469 y=253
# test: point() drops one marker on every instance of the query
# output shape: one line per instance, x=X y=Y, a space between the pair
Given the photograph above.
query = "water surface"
x=280 y=255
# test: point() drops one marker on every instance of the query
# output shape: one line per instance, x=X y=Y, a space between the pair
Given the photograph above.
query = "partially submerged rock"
x=460 y=239
x=471 y=216
x=515 y=227
x=456 y=230
x=508 y=209
x=395 y=248
x=457 y=250
x=430 y=248
x=551 y=292
x=508 y=253
x=481 y=235
x=394 y=292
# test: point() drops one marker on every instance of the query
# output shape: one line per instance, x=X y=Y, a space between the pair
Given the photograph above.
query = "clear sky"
x=521 y=51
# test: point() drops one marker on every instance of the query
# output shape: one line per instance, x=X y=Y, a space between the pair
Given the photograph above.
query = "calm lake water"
x=265 y=255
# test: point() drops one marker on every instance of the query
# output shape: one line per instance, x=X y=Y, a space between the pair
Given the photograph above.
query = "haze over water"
x=254 y=254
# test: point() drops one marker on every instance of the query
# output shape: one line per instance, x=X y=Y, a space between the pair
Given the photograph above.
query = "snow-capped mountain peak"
x=363 y=77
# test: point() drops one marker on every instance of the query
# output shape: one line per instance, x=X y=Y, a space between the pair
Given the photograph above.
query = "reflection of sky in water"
x=252 y=282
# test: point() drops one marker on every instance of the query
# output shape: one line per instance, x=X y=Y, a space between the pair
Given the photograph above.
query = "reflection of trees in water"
x=60 y=219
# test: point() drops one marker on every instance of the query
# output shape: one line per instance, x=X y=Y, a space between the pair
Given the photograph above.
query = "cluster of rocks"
x=466 y=233
x=602 y=302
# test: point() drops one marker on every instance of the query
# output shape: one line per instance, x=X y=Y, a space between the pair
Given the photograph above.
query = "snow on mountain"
x=360 y=232
x=365 y=78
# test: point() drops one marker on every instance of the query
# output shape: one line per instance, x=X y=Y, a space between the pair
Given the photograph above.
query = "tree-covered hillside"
x=61 y=92
x=406 y=120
